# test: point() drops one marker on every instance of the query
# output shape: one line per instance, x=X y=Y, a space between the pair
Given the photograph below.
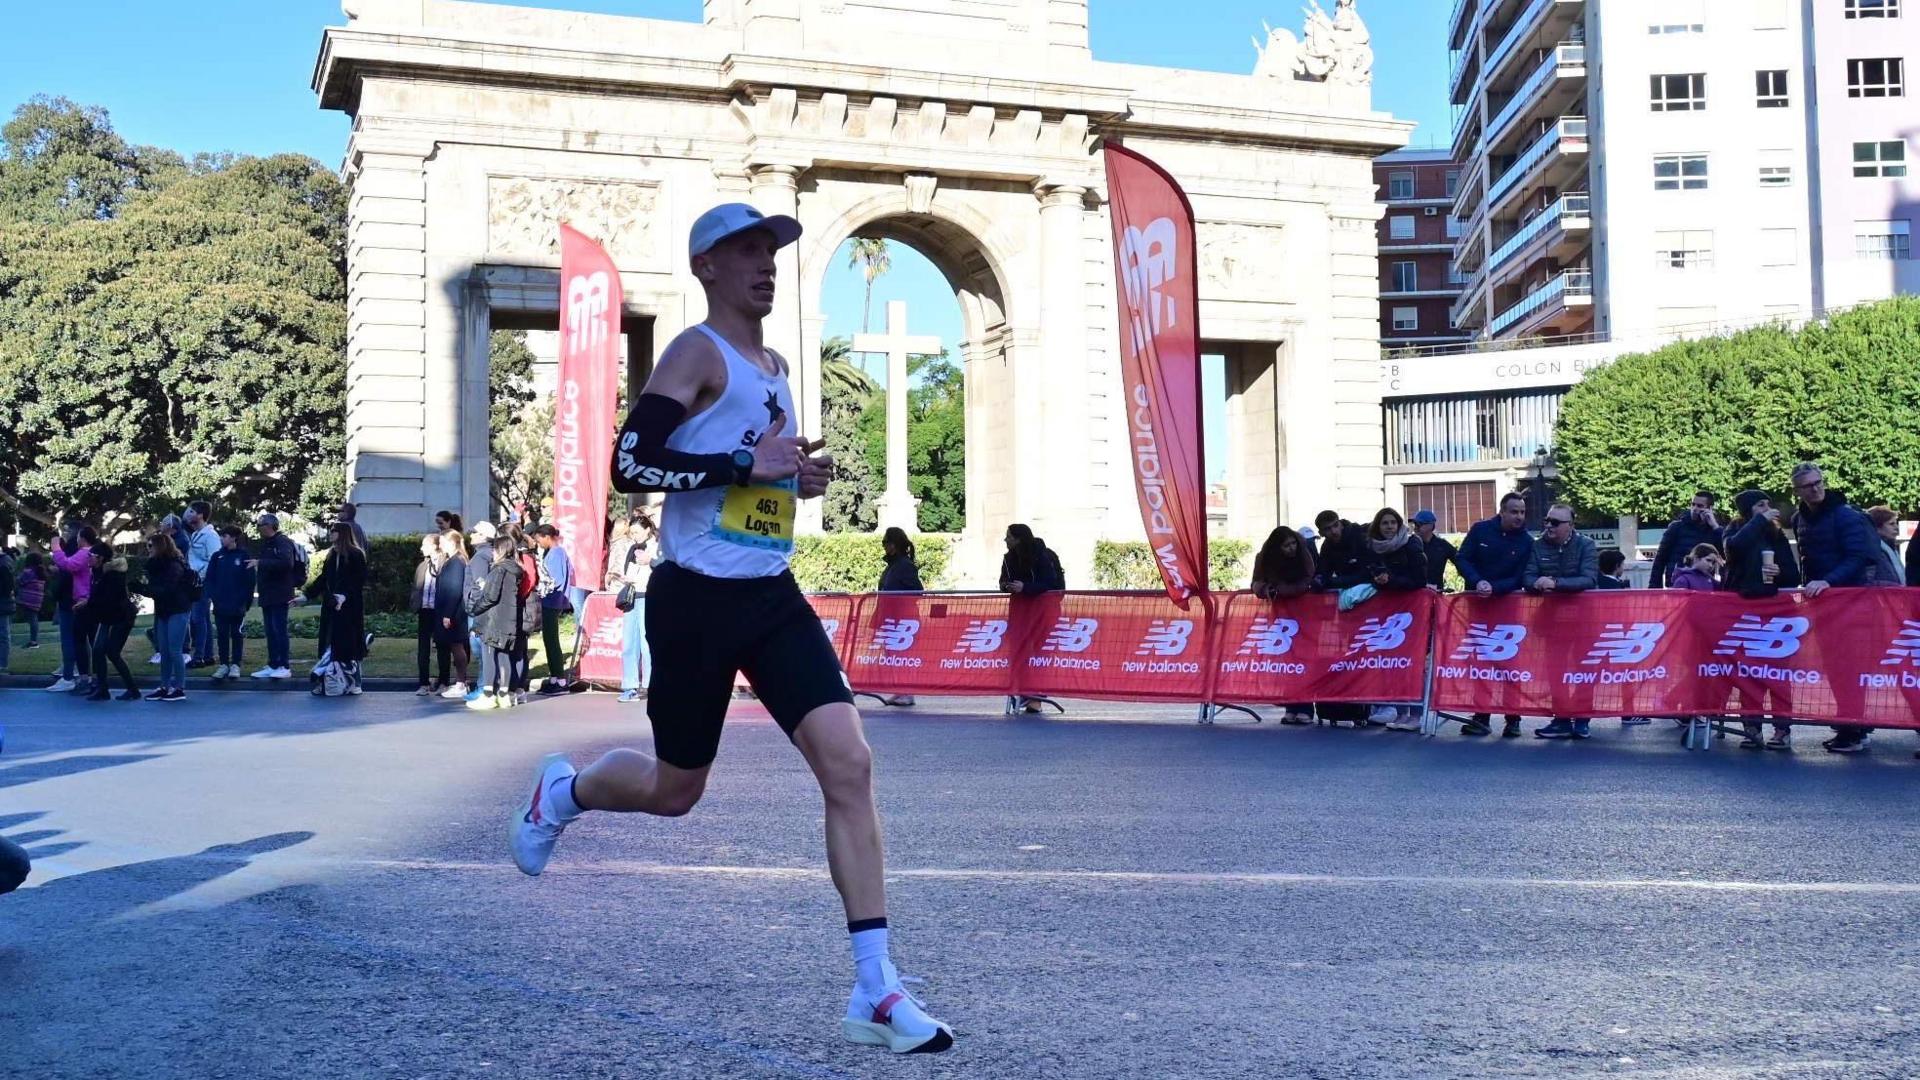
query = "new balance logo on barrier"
x=1071 y=635
x=1626 y=644
x=982 y=636
x=1270 y=637
x=1491 y=644
x=1763 y=639
x=1905 y=648
x=1381 y=635
x=1166 y=637
x=895 y=635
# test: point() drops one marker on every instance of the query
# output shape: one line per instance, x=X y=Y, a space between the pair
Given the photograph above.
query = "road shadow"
x=72 y=903
x=39 y=723
x=29 y=772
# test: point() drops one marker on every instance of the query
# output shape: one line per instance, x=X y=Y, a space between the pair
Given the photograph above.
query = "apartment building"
x=1418 y=285
x=1633 y=167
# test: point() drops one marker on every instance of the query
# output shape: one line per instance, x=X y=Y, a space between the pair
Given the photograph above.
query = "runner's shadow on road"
x=30 y=772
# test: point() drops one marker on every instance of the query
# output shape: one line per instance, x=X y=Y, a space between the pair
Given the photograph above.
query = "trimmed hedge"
x=390 y=563
x=1130 y=564
x=852 y=562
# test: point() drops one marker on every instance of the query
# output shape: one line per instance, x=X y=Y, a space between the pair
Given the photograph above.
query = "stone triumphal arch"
x=968 y=128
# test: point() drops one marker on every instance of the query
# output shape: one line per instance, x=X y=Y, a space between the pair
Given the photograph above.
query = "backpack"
x=530 y=574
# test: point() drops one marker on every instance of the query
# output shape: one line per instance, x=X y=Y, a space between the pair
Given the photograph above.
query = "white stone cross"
x=897 y=507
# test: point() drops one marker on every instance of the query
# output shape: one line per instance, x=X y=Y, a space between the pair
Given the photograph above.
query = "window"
x=1400 y=227
x=1453 y=227
x=1872 y=159
x=1406 y=277
x=1873 y=9
x=1879 y=77
x=1779 y=247
x=1683 y=249
x=1776 y=168
x=1883 y=239
x=1400 y=185
x=1453 y=182
x=1769 y=14
x=1679 y=172
x=1458 y=506
x=1680 y=93
x=1406 y=318
x=1770 y=89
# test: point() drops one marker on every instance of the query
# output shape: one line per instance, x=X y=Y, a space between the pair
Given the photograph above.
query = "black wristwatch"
x=742 y=466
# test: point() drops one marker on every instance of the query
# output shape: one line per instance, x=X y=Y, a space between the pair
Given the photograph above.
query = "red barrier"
x=1307 y=649
x=1118 y=646
x=603 y=631
x=1849 y=656
x=931 y=643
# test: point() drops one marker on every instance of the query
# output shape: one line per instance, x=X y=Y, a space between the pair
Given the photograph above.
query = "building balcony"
x=1541 y=23
x=1560 y=231
x=1457 y=30
x=1467 y=198
x=1559 y=83
x=1557 y=157
x=1565 y=293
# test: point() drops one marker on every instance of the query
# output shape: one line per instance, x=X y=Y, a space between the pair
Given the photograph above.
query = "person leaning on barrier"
x=1397 y=562
x=1886 y=571
x=902 y=574
x=1440 y=553
x=1343 y=557
x=1760 y=562
x=1284 y=569
x=1699 y=525
x=1492 y=561
x=1836 y=552
x=1563 y=563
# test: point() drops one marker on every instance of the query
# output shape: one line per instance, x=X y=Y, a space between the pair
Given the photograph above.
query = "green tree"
x=936 y=443
x=515 y=452
x=1642 y=434
x=871 y=256
x=167 y=331
x=847 y=394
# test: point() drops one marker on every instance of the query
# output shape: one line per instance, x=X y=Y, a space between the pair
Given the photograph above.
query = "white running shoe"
x=264 y=673
x=154 y=660
x=61 y=686
x=534 y=828
x=897 y=1021
x=455 y=691
x=281 y=673
x=1384 y=714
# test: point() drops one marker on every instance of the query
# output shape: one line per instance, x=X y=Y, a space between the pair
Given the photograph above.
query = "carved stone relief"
x=1242 y=262
x=524 y=216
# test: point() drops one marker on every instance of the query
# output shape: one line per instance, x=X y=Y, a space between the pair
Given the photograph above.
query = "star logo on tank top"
x=773 y=407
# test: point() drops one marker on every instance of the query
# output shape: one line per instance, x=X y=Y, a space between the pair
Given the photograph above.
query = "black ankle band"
x=867 y=924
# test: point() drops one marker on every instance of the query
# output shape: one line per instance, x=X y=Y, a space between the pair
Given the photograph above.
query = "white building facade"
x=1679 y=166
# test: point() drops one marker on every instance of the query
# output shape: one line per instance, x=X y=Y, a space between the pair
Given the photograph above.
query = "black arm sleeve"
x=642 y=462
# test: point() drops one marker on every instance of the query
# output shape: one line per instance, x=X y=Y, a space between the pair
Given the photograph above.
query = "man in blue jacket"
x=1836 y=552
x=1697 y=526
x=1493 y=562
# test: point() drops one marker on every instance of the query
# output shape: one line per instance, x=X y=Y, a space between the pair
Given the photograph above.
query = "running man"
x=713 y=431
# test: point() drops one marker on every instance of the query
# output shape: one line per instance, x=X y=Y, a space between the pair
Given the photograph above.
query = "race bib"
x=758 y=516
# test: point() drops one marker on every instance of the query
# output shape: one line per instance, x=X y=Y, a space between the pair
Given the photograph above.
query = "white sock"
x=873 y=969
x=560 y=799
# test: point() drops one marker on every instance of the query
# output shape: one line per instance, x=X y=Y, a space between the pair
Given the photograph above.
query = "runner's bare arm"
x=688 y=379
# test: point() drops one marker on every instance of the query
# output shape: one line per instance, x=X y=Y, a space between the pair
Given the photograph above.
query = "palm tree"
x=837 y=373
x=870 y=256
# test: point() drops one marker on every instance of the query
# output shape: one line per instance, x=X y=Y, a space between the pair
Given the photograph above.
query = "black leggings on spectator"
x=108 y=640
x=550 y=636
x=428 y=638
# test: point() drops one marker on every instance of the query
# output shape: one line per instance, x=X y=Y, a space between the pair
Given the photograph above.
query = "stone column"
x=386 y=418
x=1062 y=446
x=775 y=189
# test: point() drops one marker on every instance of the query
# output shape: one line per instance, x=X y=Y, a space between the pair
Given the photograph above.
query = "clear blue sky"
x=233 y=75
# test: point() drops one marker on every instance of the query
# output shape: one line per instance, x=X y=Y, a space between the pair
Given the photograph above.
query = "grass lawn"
x=392 y=655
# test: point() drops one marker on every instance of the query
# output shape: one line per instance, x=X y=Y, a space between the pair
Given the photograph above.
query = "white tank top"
x=733 y=532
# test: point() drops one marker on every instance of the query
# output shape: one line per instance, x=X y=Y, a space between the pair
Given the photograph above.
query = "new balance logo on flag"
x=1905 y=648
x=1381 y=635
x=1491 y=644
x=1622 y=643
x=1071 y=636
x=1166 y=637
x=1763 y=639
x=895 y=635
x=982 y=636
x=1270 y=637
x=1149 y=259
x=587 y=301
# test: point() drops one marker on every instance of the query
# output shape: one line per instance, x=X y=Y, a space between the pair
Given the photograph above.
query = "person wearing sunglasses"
x=1563 y=562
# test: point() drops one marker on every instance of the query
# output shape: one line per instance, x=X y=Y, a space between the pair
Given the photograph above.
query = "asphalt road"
x=257 y=886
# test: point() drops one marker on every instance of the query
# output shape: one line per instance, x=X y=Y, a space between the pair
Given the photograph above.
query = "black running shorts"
x=703 y=630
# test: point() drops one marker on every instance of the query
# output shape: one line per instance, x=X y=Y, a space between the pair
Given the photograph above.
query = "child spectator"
x=1702 y=572
x=33 y=594
x=230 y=580
x=1613 y=561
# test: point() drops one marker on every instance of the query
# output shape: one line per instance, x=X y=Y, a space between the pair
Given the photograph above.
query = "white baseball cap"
x=732 y=219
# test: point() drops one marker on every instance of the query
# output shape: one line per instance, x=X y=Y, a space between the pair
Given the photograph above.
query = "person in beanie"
x=229 y=593
x=478 y=567
x=1760 y=562
x=280 y=573
x=1440 y=553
